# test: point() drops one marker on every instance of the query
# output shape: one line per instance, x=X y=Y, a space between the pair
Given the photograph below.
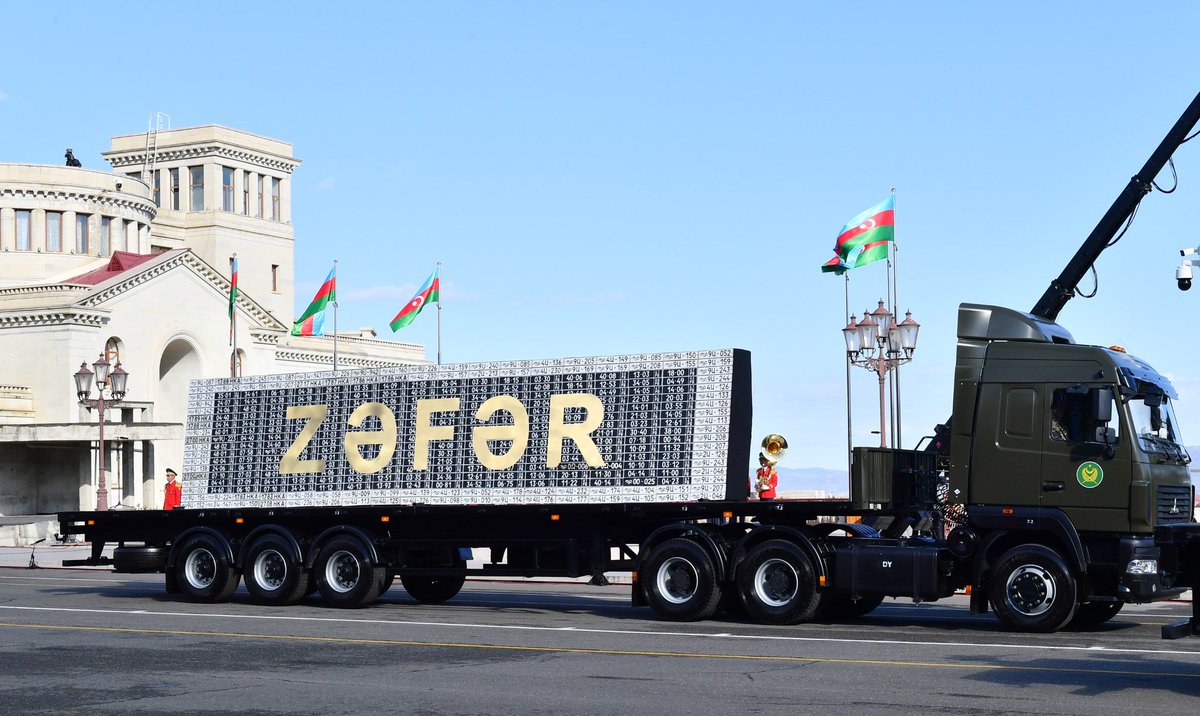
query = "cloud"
x=324 y=185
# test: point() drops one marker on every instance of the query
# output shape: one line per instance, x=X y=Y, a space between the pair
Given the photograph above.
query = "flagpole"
x=849 y=423
x=439 y=321
x=896 y=318
x=335 y=308
x=233 y=371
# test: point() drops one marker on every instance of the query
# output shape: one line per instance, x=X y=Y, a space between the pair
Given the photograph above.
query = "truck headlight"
x=1142 y=566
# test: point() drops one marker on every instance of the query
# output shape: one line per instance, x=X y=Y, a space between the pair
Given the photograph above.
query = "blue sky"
x=622 y=177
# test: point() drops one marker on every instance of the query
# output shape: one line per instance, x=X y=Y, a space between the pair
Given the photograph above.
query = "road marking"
x=604 y=652
x=617 y=632
x=63 y=579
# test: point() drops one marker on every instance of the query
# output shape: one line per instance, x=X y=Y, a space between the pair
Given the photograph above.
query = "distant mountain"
x=834 y=483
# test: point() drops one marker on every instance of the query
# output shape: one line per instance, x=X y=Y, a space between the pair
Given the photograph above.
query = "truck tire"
x=386 y=581
x=1093 y=614
x=344 y=574
x=681 y=582
x=203 y=571
x=432 y=590
x=139 y=560
x=1031 y=589
x=271 y=574
x=778 y=584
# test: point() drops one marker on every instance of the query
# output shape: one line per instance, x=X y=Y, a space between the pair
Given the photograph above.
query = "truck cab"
x=1070 y=447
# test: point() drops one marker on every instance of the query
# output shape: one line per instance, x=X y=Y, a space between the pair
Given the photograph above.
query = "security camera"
x=1183 y=275
x=118 y=186
x=1187 y=252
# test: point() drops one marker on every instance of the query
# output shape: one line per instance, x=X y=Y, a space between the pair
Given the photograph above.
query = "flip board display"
x=662 y=427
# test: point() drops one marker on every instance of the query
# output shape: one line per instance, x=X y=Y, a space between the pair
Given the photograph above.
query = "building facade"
x=135 y=265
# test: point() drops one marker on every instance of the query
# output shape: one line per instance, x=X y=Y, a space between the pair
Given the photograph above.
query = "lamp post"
x=114 y=382
x=879 y=344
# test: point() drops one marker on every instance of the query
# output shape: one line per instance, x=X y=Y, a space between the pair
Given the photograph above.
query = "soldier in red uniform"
x=767 y=478
x=174 y=492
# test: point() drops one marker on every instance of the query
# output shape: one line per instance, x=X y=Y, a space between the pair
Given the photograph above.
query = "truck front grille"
x=1174 y=504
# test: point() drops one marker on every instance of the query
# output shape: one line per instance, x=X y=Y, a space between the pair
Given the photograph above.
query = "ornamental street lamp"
x=114 y=382
x=879 y=344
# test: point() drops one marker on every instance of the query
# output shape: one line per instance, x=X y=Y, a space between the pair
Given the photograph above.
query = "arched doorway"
x=178 y=366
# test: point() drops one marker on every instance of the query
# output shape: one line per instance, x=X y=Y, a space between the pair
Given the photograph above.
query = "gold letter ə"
x=518 y=432
x=384 y=437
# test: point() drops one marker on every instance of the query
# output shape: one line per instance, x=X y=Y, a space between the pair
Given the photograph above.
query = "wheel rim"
x=776 y=583
x=677 y=580
x=200 y=568
x=1030 y=590
x=342 y=571
x=270 y=569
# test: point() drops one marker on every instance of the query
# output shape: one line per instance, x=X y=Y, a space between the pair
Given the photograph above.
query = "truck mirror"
x=1102 y=402
x=1107 y=437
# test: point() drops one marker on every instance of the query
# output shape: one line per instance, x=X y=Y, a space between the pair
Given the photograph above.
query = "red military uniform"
x=174 y=492
x=767 y=479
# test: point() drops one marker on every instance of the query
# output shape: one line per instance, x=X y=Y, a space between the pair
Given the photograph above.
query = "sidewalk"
x=24 y=530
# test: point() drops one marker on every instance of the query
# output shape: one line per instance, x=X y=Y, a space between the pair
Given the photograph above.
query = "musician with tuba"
x=774 y=447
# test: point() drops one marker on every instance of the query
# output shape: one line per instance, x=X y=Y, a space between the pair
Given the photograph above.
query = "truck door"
x=1007 y=452
x=1080 y=474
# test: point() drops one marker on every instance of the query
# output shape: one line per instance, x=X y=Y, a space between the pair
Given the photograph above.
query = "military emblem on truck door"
x=1089 y=474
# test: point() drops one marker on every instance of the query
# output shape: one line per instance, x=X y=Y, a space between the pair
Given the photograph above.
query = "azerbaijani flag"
x=427 y=294
x=233 y=293
x=865 y=238
x=312 y=322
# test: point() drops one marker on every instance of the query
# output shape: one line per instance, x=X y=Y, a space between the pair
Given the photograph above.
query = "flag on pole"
x=233 y=293
x=428 y=293
x=312 y=321
x=864 y=239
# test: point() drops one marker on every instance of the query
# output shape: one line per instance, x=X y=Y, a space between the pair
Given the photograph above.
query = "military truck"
x=1056 y=493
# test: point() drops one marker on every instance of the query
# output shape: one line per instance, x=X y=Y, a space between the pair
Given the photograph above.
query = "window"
x=157 y=187
x=54 y=231
x=175 y=189
x=24 y=240
x=81 y=233
x=274 y=199
x=226 y=189
x=105 y=235
x=197 y=187
x=260 y=197
x=275 y=278
x=112 y=351
x=246 y=193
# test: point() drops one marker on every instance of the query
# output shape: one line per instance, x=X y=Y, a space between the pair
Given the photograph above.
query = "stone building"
x=135 y=264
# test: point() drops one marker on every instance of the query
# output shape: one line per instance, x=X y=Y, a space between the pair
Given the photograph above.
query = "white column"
x=285 y=199
x=37 y=231
x=238 y=200
x=68 y=232
x=212 y=187
x=8 y=229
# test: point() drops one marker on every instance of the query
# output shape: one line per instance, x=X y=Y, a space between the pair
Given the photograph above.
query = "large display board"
x=661 y=427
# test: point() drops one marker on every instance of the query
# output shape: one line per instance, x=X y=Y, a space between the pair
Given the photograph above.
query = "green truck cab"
x=1064 y=461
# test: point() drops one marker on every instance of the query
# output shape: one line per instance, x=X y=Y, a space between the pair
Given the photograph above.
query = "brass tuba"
x=774 y=447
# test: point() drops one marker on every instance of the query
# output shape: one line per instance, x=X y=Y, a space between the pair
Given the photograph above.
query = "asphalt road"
x=76 y=641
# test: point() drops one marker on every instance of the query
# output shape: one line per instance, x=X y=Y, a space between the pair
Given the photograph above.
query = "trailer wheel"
x=682 y=584
x=272 y=575
x=386 y=581
x=432 y=590
x=203 y=572
x=139 y=560
x=778 y=584
x=1093 y=614
x=344 y=574
x=1031 y=589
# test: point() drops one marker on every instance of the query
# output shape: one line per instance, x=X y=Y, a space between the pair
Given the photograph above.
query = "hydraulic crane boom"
x=1062 y=289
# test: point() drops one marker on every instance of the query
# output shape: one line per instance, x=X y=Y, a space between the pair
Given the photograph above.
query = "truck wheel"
x=344 y=575
x=1031 y=589
x=1093 y=614
x=272 y=576
x=203 y=572
x=432 y=590
x=385 y=582
x=139 y=560
x=778 y=584
x=682 y=584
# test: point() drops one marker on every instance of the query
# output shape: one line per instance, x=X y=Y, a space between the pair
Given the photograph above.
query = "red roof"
x=121 y=262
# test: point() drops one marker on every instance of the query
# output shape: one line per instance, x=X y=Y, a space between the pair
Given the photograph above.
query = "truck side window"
x=1069 y=416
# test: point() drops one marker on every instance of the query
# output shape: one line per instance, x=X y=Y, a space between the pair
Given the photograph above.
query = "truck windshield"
x=1155 y=425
